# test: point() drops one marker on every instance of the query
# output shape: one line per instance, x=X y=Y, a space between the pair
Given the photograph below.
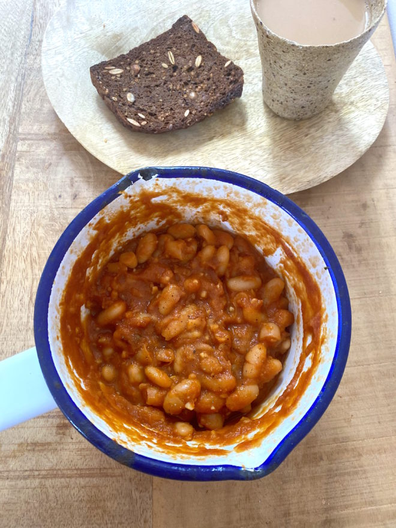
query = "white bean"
x=158 y=377
x=242 y=396
x=112 y=313
x=273 y=290
x=207 y=253
x=169 y=297
x=223 y=259
x=213 y=422
x=135 y=373
x=182 y=231
x=243 y=283
x=129 y=259
x=254 y=361
x=270 y=333
x=184 y=429
x=109 y=373
x=185 y=392
x=223 y=238
x=207 y=234
x=257 y=355
x=146 y=247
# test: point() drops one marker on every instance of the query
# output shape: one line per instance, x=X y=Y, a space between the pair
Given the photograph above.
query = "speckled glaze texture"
x=299 y=81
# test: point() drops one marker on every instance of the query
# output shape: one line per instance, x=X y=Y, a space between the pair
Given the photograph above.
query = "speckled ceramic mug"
x=34 y=382
x=299 y=80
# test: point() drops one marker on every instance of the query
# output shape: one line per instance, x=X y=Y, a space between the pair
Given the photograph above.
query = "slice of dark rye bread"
x=170 y=82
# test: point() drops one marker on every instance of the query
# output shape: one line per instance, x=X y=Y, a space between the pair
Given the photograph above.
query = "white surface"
x=23 y=391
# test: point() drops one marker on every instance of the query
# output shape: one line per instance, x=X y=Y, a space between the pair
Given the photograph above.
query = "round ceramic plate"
x=246 y=136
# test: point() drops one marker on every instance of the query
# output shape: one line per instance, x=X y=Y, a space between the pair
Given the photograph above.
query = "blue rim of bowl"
x=176 y=470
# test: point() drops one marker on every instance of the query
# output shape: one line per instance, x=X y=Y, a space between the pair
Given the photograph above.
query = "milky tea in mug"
x=306 y=46
x=314 y=22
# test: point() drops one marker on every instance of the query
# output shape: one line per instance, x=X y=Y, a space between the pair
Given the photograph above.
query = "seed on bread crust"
x=133 y=122
x=116 y=71
x=198 y=61
x=171 y=57
x=136 y=69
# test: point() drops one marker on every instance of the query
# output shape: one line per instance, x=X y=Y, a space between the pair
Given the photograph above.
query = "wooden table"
x=343 y=474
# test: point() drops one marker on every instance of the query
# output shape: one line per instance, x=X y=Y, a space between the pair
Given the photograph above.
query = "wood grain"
x=342 y=475
x=246 y=136
x=12 y=56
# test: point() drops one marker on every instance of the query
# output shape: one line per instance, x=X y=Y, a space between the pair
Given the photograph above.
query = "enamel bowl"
x=320 y=336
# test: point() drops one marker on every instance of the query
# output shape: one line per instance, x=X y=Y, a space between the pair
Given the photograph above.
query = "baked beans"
x=191 y=323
